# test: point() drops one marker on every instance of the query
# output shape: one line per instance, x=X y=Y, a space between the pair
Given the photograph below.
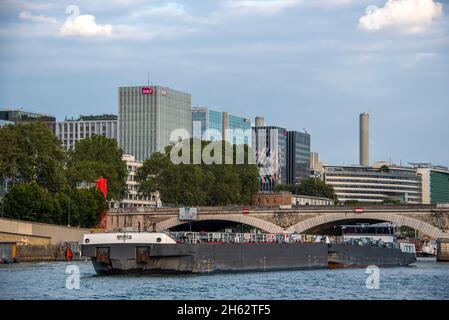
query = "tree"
x=31 y=153
x=312 y=187
x=31 y=202
x=199 y=184
x=96 y=157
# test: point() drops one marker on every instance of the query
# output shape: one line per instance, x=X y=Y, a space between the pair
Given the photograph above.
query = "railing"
x=224 y=237
x=368 y=242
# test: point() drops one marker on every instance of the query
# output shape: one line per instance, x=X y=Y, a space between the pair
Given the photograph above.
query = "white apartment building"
x=133 y=198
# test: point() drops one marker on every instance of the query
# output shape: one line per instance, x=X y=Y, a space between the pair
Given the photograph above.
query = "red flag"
x=103 y=187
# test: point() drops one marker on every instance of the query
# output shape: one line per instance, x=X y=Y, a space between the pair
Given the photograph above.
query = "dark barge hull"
x=347 y=256
x=204 y=258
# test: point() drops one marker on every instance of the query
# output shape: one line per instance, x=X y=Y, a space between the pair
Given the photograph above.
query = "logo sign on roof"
x=147 y=90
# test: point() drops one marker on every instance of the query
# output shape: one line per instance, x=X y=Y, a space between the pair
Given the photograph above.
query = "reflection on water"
x=425 y=279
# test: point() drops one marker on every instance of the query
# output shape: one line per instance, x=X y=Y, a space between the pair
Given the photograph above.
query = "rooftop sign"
x=147 y=90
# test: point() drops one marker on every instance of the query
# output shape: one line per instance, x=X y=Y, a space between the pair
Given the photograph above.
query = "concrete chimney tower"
x=364 y=139
x=260 y=121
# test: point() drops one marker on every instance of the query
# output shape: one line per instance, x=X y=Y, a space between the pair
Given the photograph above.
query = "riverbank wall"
x=40 y=241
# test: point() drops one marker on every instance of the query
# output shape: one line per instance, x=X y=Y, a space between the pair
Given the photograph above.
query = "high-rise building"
x=375 y=184
x=298 y=157
x=147 y=117
x=435 y=183
x=70 y=131
x=269 y=143
x=210 y=124
x=216 y=125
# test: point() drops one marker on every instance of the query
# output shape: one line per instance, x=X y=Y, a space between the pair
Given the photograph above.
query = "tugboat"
x=199 y=253
x=365 y=245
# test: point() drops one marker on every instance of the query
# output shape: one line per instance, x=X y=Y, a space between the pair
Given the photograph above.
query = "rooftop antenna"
x=148 y=79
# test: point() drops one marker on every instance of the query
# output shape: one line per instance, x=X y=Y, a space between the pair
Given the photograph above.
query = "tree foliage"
x=312 y=187
x=96 y=157
x=43 y=178
x=199 y=184
x=31 y=153
x=31 y=202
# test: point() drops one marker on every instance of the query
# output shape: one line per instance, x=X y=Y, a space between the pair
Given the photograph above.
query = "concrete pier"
x=443 y=250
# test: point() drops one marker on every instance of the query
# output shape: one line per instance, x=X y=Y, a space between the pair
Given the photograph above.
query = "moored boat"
x=191 y=252
x=364 y=245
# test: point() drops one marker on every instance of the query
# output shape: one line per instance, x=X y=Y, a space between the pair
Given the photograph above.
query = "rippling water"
x=47 y=280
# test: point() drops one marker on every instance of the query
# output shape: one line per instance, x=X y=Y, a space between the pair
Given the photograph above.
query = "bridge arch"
x=239 y=218
x=416 y=224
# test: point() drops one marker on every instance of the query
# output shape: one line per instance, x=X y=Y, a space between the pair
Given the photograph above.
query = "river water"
x=425 y=279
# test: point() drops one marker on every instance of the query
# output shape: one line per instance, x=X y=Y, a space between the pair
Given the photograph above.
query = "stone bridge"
x=432 y=220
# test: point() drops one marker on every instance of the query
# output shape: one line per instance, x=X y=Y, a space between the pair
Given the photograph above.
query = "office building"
x=22 y=116
x=269 y=143
x=147 y=116
x=207 y=124
x=216 y=126
x=375 y=184
x=435 y=183
x=298 y=157
x=70 y=131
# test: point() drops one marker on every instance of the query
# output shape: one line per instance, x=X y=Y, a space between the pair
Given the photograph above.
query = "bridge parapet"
x=432 y=220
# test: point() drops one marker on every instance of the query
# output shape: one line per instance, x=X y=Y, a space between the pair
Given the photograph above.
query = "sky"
x=311 y=65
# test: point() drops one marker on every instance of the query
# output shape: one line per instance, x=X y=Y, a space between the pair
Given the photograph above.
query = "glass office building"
x=298 y=157
x=147 y=116
x=216 y=126
x=239 y=129
x=211 y=128
x=269 y=144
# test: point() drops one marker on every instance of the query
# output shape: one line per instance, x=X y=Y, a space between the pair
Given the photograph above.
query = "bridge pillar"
x=443 y=250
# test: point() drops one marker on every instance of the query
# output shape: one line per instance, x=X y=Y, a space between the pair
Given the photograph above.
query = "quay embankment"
x=22 y=241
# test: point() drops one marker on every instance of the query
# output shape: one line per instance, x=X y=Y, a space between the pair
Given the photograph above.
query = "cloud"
x=409 y=16
x=262 y=6
x=83 y=25
x=26 y=15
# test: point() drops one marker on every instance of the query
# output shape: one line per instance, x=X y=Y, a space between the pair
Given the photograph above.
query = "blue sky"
x=312 y=64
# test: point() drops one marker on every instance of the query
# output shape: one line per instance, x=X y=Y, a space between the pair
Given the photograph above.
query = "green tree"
x=31 y=202
x=312 y=187
x=199 y=184
x=96 y=157
x=31 y=153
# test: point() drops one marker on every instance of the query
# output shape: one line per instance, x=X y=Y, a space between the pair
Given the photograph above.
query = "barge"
x=204 y=253
x=363 y=245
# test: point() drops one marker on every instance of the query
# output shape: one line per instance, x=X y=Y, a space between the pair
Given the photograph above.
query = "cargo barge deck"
x=197 y=253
